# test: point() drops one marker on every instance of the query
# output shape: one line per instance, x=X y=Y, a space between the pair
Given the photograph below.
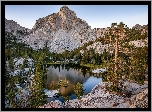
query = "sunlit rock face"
x=139 y=43
x=61 y=31
x=58 y=31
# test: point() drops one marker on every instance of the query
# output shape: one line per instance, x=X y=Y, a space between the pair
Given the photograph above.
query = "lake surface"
x=19 y=83
x=72 y=73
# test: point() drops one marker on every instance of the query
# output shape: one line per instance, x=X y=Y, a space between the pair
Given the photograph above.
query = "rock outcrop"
x=100 y=32
x=63 y=31
x=141 y=100
x=139 y=43
x=60 y=31
x=16 y=29
x=99 y=97
x=99 y=47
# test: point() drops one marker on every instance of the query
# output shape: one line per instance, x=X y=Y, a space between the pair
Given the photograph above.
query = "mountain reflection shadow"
x=73 y=74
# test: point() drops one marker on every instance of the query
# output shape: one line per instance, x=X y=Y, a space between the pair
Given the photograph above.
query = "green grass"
x=92 y=66
x=104 y=64
x=53 y=63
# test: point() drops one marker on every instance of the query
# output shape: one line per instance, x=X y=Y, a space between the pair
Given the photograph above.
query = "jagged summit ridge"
x=65 y=12
x=16 y=29
x=65 y=19
x=62 y=30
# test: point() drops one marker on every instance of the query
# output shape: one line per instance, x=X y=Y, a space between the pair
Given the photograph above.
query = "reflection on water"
x=91 y=83
x=72 y=74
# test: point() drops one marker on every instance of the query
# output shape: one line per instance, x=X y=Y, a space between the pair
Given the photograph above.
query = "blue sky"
x=97 y=16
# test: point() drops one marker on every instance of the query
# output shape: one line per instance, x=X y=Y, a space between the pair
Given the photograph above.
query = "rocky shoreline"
x=99 y=97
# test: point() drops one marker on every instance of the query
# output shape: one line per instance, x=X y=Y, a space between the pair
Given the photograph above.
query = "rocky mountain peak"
x=65 y=19
x=62 y=31
x=15 y=28
x=66 y=13
x=65 y=9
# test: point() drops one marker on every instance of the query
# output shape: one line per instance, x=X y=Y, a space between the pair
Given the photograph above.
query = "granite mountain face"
x=16 y=29
x=58 y=31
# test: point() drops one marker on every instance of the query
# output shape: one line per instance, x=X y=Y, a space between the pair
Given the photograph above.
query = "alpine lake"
x=70 y=75
x=59 y=83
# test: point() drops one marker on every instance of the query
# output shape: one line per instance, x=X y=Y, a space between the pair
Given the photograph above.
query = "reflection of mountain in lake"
x=61 y=72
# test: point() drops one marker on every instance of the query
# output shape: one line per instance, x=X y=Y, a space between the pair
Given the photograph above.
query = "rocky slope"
x=16 y=29
x=99 y=97
x=62 y=31
x=139 y=43
x=59 y=31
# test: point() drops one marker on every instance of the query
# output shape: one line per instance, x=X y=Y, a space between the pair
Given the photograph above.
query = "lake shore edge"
x=99 y=97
